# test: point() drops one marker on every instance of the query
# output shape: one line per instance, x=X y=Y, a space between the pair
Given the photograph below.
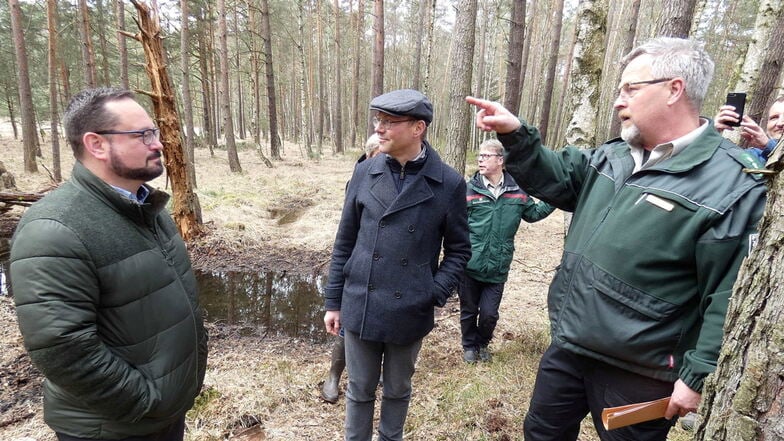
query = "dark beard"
x=137 y=174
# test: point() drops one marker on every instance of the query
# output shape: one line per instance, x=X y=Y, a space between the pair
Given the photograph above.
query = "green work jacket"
x=650 y=257
x=493 y=223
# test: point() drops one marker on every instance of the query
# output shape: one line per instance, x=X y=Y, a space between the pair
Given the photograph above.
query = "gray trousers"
x=364 y=361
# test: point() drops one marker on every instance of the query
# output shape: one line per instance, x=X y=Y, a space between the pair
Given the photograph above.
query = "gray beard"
x=631 y=135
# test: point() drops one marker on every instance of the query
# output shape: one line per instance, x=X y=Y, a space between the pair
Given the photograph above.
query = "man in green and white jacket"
x=662 y=220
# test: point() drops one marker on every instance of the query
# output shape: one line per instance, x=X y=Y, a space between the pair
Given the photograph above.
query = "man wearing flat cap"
x=385 y=278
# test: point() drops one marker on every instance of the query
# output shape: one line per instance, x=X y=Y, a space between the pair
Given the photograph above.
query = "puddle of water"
x=265 y=304
x=271 y=304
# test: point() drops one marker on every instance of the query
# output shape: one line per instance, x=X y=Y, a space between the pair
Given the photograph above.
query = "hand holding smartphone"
x=738 y=101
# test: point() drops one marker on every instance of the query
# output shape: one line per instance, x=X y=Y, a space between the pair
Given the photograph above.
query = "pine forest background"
x=324 y=68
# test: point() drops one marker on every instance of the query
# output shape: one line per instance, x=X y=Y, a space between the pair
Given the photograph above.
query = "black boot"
x=330 y=391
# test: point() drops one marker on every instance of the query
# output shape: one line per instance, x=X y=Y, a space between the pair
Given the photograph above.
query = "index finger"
x=478 y=102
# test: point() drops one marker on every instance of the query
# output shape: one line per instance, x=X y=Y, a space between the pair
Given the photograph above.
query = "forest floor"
x=269 y=387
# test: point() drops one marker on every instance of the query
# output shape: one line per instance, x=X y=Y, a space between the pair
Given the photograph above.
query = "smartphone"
x=737 y=100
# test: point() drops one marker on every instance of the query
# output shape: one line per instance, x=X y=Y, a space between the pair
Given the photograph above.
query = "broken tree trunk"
x=186 y=209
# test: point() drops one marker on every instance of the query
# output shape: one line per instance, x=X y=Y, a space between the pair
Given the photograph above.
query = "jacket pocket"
x=608 y=317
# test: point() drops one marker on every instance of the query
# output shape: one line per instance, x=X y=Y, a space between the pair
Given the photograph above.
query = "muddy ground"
x=284 y=219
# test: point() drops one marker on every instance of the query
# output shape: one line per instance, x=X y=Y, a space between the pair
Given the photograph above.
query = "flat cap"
x=404 y=102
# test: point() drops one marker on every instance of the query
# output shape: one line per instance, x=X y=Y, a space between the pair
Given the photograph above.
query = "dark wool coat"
x=385 y=276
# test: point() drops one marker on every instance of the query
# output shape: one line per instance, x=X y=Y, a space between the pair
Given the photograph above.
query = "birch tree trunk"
x=762 y=48
x=586 y=72
x=742 y=400
x=461 y=70
x=29 y=135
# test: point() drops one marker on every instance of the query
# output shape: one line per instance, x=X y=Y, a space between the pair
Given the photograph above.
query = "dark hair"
x=86 y=113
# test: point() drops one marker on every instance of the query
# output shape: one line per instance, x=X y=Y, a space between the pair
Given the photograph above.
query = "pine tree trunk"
x=266 y=35
x=51 y=21
x=555 y=43
x=102 y=43
x=88 y=54
x=356 y=112
x=187 y=105
x=628 y=44
x=121 y=46
x=676 y=18
x=186 y=209
x=29 y=135
x=322 y=94
x=377 y=72
x=338 y=121
x=225 y=92
x=514 y=57
x=461 y=70
x=306 y=120
x=742 y=400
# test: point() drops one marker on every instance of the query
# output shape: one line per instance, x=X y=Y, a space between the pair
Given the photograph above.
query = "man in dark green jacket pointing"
x=495 y=207
x=103 y=286
x=663 y=218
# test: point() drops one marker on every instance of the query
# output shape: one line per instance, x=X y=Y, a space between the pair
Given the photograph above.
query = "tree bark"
x=29 y=135
x=514 y=58
x=377 y=73
x=266 y=35
x=88 y=54
x=586 y=72
x=186 y=209
x=358 y=45
x=322 y=95
x=742 y=400
x=306 y=120
x=225 y=93
x=338 y=114
x=527 y=49
x=187 y=105
x=51 y=22
x=121 y=46
x=765 y=51
x=675 y=19
x=628 y=44
x=102 y=43
x=555 y=43
x=461 y=70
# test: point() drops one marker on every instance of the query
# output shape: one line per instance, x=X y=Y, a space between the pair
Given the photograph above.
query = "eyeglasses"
x=486 y=156
x=388 y=123
x=628 y=91
x=148 y=135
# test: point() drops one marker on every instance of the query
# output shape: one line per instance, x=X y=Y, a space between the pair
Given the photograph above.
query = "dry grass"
x=275 y=383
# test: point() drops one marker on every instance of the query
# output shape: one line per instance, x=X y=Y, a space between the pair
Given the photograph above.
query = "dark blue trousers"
x=569 y=386
x=479 y=303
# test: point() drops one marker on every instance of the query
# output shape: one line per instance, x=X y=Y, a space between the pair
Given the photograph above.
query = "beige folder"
x=615 y=417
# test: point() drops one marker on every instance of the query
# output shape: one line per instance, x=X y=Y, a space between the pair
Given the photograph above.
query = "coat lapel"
x=383 y=186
